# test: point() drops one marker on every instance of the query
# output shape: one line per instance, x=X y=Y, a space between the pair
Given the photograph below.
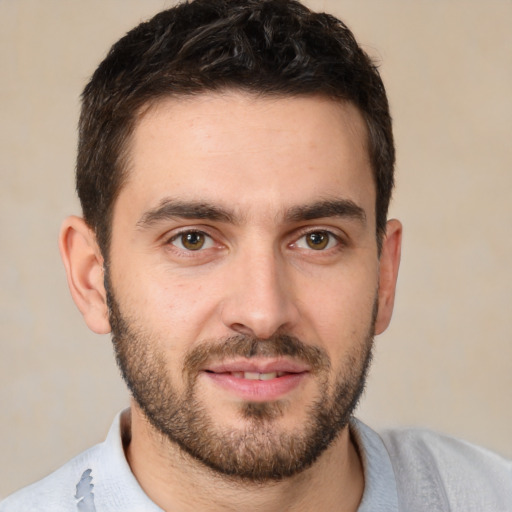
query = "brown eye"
x=318 y=240
x=192 y=241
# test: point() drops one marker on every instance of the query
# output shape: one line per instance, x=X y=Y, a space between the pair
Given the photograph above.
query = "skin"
x=255 y=275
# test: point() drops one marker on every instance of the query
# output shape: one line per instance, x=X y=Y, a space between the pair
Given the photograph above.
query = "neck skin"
x=175 y=481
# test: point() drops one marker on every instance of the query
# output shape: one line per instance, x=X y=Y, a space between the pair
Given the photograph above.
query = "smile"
x=258 y=381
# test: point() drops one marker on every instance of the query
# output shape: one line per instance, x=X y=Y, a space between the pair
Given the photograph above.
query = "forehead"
x=249 y=151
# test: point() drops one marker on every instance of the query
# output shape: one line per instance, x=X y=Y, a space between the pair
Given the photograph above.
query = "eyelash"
x=333 y=241
x=181 y=234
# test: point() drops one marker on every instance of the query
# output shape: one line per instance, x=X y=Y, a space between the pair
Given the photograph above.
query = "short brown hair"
x=268 y=47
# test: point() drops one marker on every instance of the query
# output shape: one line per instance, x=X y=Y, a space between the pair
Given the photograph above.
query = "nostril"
x=241 y=329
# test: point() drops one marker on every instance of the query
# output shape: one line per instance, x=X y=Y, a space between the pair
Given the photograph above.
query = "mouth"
x=257 y=381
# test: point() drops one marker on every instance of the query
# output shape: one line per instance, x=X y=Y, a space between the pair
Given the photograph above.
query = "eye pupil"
x=193 y=240
x=317 y=240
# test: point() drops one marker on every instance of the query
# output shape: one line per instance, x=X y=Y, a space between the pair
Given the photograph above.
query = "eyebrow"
x=173 y=209
x=330 y=208
x=169 y=209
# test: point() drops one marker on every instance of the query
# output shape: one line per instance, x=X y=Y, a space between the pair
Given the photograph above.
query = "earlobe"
x=84 y=270
x=389 y=264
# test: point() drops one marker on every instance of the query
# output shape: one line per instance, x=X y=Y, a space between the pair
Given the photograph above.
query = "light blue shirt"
x=404 y=470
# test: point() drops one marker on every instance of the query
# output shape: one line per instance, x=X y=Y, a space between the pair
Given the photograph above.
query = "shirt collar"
x=380 y=491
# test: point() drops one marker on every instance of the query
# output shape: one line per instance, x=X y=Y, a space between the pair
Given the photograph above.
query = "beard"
x=259 y=451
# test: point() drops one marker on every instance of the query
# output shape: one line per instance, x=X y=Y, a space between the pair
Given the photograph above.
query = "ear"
x=84 y=269
x=389 y=263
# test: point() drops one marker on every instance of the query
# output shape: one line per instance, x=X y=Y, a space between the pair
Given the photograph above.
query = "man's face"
x=243 y=276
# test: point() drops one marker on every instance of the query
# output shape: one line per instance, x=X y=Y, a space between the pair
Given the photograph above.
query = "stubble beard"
x=259 y=452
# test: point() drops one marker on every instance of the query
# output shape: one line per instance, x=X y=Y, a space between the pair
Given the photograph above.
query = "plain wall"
x=446 y=360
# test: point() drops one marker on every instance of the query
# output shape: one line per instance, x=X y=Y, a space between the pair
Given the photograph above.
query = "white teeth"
x=256 y=375
x=268 y=376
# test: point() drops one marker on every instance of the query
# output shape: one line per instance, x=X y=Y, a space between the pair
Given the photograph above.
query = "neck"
x=175 y=481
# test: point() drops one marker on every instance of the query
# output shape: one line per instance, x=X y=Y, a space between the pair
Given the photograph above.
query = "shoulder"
x=59 y=491
x=97 y=479
x=449 y=470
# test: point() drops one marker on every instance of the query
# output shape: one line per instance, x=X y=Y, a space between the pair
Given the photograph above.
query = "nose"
x=260 y=300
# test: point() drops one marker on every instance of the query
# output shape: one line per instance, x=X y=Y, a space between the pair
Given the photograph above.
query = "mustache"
x=245 y=346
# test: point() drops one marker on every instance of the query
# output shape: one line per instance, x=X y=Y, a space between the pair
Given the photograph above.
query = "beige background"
x=445 y=363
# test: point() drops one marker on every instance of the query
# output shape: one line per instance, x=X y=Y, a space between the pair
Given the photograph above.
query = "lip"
x=291 y=374
x=259 y=365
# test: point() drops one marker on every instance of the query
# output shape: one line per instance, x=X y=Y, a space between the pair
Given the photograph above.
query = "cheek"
x=174 y=310
x=340 y=309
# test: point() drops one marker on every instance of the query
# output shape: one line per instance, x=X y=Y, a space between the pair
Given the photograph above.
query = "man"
x=235 y=167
